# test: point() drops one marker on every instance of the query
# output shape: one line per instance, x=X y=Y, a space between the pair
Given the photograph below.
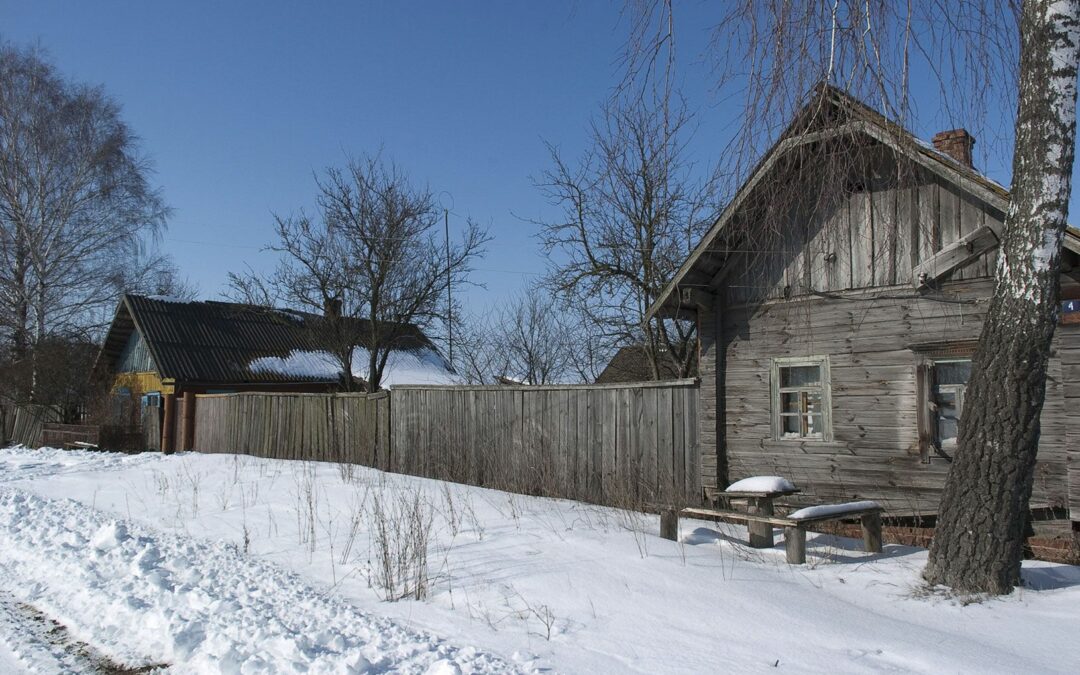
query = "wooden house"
x=158 y=349
x=839 y=297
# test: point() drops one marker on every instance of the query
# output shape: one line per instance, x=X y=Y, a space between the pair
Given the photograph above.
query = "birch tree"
x=978 y=541
x=76 y=202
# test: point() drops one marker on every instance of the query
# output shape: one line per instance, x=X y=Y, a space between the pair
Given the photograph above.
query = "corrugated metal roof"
x=214 y=342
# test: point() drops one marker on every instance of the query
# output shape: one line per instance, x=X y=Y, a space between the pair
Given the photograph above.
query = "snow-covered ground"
x=224 y=563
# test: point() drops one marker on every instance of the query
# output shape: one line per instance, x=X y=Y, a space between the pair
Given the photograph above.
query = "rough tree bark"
x=978 y=543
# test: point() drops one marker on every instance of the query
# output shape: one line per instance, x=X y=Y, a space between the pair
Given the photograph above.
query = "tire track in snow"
x=42 y=644
x=139 y=595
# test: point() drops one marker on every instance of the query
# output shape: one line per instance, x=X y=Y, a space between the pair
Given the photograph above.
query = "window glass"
x=798 y=376
x=950 y=385
x=789 y=402
x=947 y=417
x=952 y=372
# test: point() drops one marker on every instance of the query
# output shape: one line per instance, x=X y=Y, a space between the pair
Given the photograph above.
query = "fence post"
x=168 y=424
x=187 y=428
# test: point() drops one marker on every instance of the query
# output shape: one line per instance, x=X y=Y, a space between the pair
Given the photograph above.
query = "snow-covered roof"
x=232 y=343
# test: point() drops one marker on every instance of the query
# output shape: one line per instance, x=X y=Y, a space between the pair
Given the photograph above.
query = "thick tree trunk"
x=979 y=538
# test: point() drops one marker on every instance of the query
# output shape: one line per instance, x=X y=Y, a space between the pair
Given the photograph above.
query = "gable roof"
x=630 y=364
x=218 y=342
x=833 y=113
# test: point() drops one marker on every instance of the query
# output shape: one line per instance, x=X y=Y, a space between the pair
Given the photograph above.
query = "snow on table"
x=824 y=510
x=762 y=484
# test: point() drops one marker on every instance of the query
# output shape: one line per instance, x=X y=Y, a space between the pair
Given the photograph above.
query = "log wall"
x=874 y=452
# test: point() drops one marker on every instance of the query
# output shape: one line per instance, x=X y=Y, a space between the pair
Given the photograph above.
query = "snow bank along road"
x=144 y=598
x=225 y=563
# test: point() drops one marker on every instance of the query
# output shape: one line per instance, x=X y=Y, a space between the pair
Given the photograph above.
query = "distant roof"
x=217 y=342
x=630 y=364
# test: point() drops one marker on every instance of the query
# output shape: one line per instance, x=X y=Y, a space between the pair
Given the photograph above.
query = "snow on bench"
x=826 y=510
x=761 y=484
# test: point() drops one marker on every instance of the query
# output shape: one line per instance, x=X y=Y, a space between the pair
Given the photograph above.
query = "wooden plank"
x=862 y=240
x=885 y=232
x=649 y=447
x=665 y=450
x=954 y=256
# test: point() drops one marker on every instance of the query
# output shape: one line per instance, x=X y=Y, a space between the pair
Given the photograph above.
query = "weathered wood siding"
x=711 y=394
x=874 y=452
x=1068 y=347
x=622 y=445
x=873 y=237
x=350 y=428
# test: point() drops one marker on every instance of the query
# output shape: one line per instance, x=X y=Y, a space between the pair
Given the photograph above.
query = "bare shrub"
x=402 y=522
x=307 y=498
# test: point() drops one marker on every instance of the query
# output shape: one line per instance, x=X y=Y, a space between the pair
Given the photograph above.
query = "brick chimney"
x=956 y=143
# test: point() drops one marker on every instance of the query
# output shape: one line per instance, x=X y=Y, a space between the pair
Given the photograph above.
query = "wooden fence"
x=621 y=445
x=349 y=428
x=23 y=423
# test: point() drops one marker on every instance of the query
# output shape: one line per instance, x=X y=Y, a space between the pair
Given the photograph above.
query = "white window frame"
x=824 y=388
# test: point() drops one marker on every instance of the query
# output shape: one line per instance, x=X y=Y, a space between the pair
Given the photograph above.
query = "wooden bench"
x=757 y=503
x=868 y=513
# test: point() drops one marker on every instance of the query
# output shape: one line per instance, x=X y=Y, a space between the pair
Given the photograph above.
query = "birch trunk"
x=979 y=539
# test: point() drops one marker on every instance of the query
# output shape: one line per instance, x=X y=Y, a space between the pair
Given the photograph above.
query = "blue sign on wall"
x=1070 y=311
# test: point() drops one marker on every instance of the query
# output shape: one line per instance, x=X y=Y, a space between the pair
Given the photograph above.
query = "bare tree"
x=314 y=273
x=373 y=263
x=530 y=341
x=75 y=201
x=774 y=52
x=631 y=210
x=475 y=358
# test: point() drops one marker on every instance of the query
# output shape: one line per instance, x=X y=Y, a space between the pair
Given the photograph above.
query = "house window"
x=800 y=399
x=948 y=379
x=942 y=372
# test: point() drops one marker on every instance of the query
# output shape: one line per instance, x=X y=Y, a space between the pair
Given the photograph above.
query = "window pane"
x=789 y=426
x=799 y=376
x=814 y=425
x=812 y=401
x=789 y=402
x=952 y=372
x=946 y=416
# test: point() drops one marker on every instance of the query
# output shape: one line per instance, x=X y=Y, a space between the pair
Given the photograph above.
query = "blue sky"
x=238 y=104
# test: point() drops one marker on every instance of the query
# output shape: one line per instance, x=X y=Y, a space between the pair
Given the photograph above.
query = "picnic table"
x=795 y=524
x=758 y=503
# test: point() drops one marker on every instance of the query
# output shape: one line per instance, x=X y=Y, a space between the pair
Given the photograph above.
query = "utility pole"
x=449 y=297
